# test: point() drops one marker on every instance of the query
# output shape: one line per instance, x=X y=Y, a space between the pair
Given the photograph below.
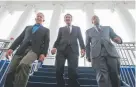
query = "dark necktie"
x=68 y=35
x=69 y=29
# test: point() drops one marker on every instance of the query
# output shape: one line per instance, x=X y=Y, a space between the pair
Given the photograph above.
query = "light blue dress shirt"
x=35 y=27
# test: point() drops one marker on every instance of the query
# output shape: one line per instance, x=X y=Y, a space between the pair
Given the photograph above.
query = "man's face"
x=39 y=18
x=95 y=20
x=68 y=19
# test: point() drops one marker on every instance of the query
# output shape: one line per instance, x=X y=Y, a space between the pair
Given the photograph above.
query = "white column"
x=89 y=9
x=3 y=13
x=127 y=20
x=54 y=24
x=22 y=22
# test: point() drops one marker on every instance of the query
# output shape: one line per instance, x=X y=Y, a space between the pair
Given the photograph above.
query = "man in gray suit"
x=67 y=47
x=32 y=44
x=102 y=53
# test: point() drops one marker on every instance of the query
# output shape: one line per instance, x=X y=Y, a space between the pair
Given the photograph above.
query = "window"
x=133 y=13
x=8 y=24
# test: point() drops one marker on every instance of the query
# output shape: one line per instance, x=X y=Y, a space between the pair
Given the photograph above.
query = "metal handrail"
x=125 y=51
x=3 y=66
x=3 y=40
x=4 y=74
x=4 y=45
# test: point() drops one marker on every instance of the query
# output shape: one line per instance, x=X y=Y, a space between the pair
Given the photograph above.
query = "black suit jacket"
x=64 y=38
x=38 y=41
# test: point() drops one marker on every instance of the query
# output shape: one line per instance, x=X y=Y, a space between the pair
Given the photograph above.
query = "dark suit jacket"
x=39 y=41
x=63 y=39
x=96 y=39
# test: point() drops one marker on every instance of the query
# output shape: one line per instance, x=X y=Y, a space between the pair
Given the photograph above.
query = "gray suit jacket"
x=39 y=41
x=64 y=39
x=94 y=39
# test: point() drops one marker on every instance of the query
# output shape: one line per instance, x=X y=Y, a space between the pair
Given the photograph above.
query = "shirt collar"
x=38 y=25
x=98 y=26
x=69 y=26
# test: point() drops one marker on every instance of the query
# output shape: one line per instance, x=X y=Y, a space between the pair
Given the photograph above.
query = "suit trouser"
x=107 y=71
x=18 y=73
x=72 y=67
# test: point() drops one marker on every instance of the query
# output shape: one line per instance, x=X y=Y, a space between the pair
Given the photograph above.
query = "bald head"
x=39 y=18
x=95 y=20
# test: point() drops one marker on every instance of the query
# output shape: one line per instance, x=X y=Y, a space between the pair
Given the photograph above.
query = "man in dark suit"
x=32 y=44
x=105 y=59
x=66 y=46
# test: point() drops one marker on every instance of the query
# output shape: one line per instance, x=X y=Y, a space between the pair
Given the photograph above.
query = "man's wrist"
x=10 y=49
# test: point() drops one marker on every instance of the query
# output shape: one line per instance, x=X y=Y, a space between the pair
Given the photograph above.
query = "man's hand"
x=53 y=51
x=8 y=53
x=82 y=52
x=41 y=58
x=117 y=40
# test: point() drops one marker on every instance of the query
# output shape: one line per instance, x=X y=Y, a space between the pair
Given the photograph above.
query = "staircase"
x=45 y=77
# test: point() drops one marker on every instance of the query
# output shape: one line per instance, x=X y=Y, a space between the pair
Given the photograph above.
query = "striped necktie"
x=98 y=28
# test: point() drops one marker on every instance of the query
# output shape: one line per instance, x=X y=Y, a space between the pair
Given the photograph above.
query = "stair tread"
x=55 y=83
x=65 y=72
x=55 y=77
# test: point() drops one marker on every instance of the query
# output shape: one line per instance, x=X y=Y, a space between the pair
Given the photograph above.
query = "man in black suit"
x=32 y=44
x=66 y=46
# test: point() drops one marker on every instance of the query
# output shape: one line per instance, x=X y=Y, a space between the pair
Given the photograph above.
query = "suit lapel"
x=95 y=32
x=30 y=29
x=102 y=29
x=65 y=31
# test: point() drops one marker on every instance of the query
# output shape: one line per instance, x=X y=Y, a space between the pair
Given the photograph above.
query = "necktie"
x=98 y=28
x=69 y=29
x=68 y=35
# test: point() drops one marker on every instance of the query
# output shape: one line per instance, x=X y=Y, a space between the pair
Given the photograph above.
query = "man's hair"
x=40 y=13
x=67 y=15
x=95 y=16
